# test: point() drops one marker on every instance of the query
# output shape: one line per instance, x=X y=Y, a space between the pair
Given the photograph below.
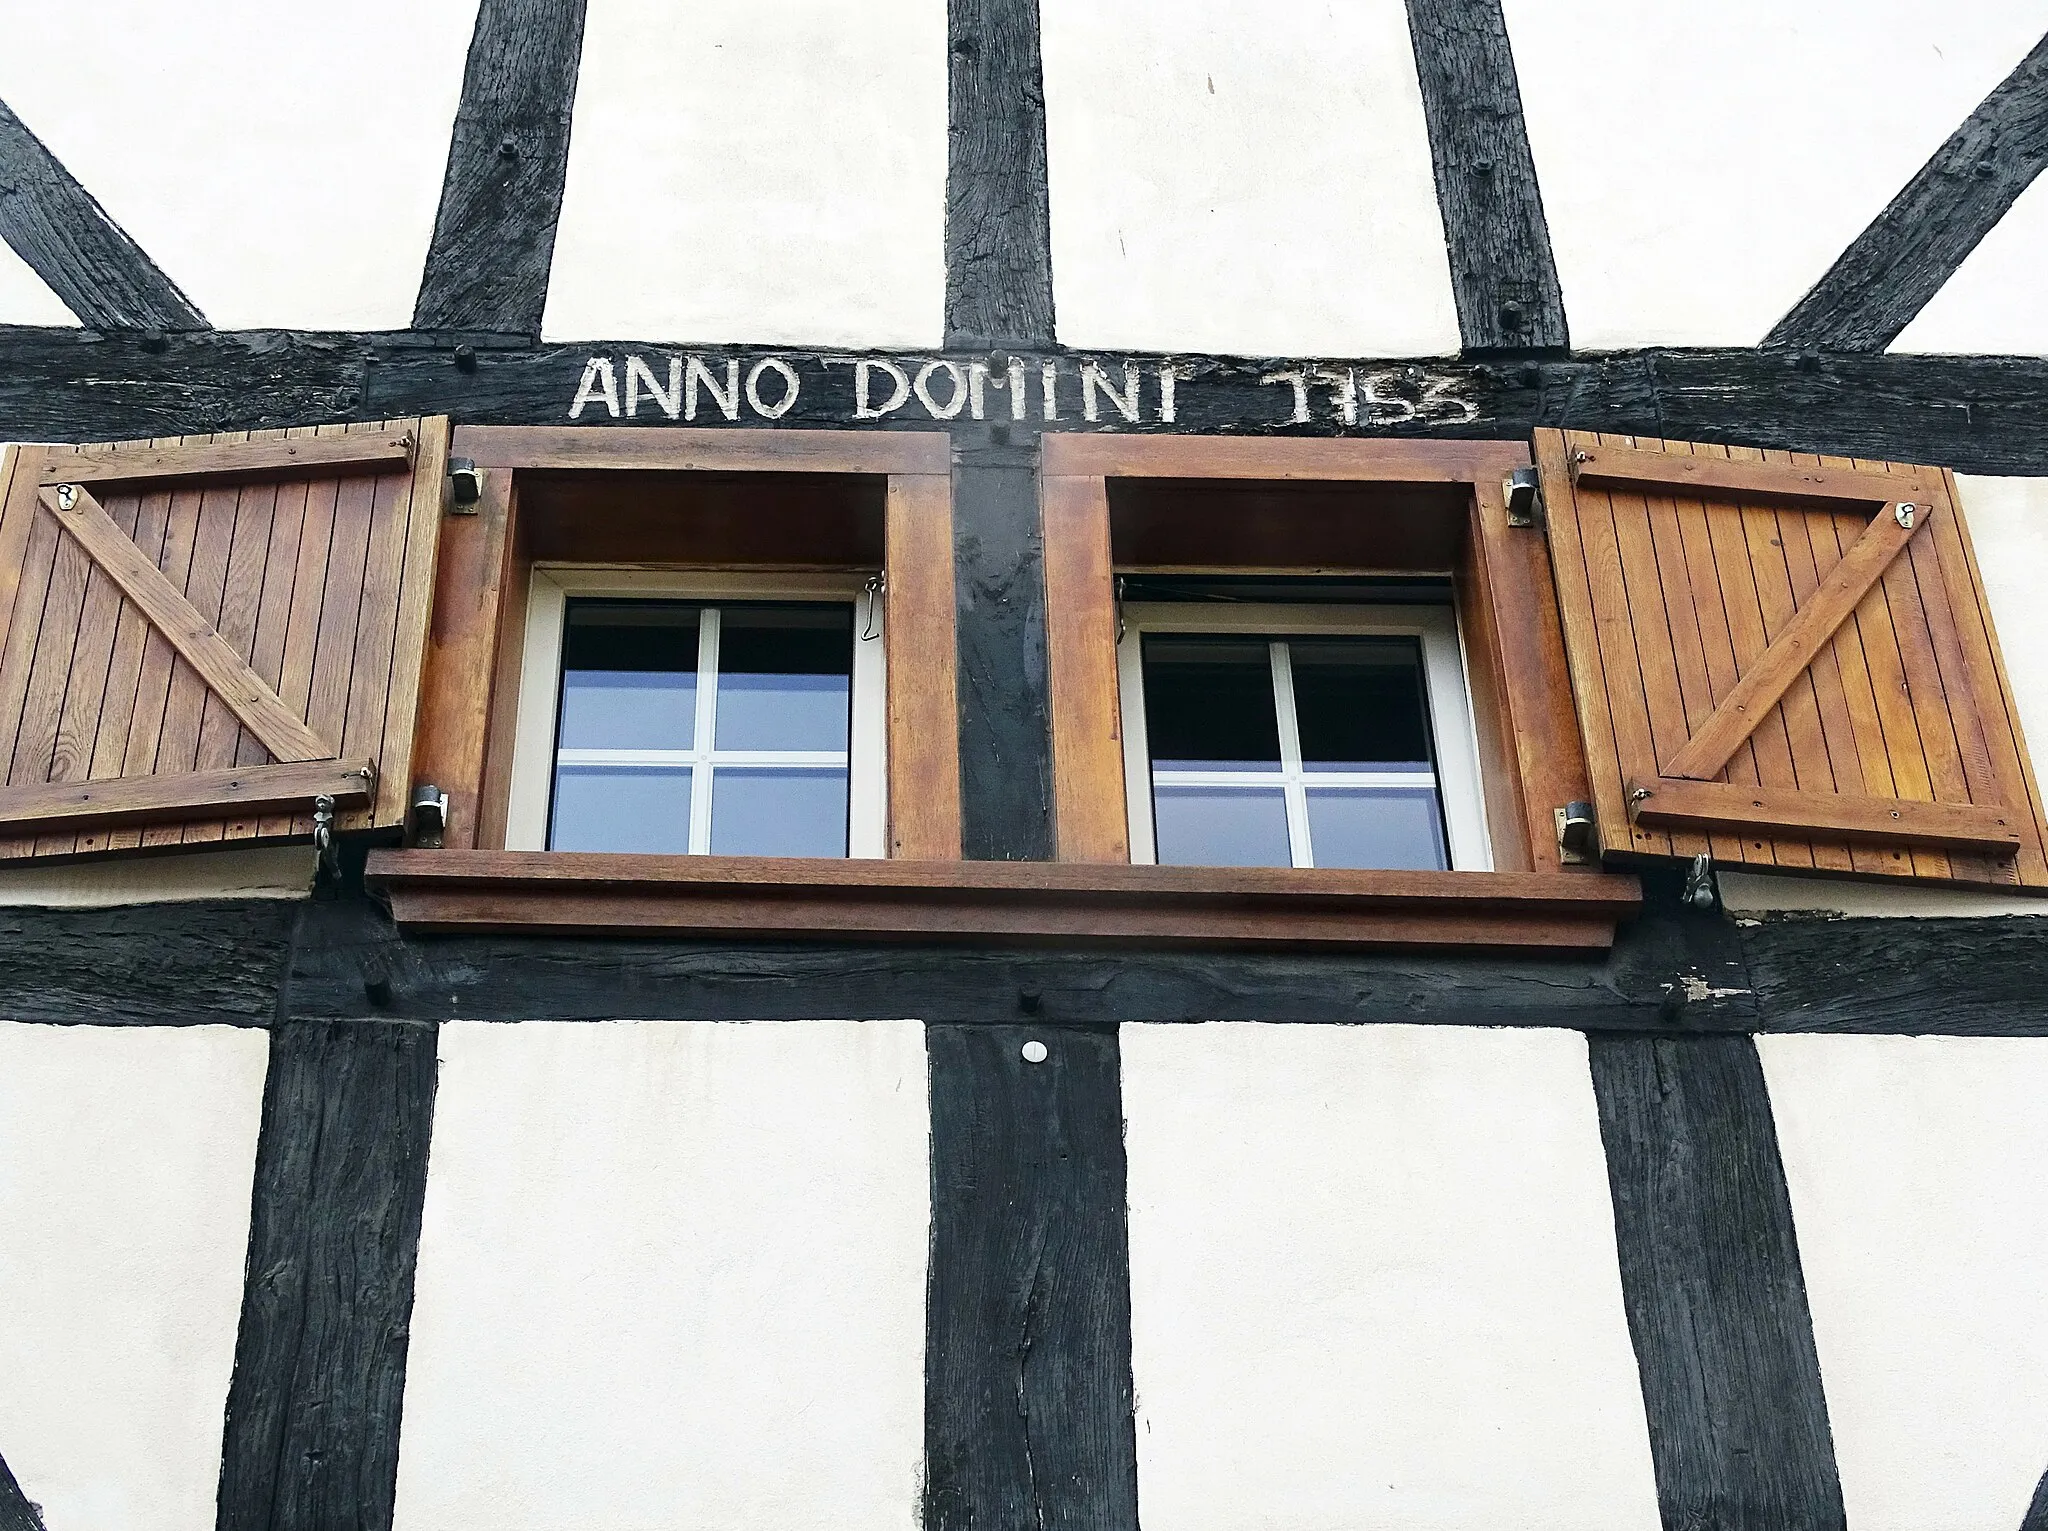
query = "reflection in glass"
x=629 y=676
x=778 y=812
x=1398 y=828
x=1209 y=704
x=785 y=677
x=1220 y=826
x=610 y=808
x=1360 y=704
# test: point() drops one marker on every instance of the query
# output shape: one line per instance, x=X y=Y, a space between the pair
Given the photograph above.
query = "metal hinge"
x=1523 y=491
x=1577 y=840
x=465 y=486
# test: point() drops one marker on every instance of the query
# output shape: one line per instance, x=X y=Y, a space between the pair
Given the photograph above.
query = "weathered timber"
x=2037 y=1508
x=209 y=962
x=1976 y=977
x=1028 y=1394
x=998 y=571
x=1502 y=273
x=1913 y=247
x=1977 y=414
x=494 y=236
x=17 y=1513
x=341 y=1171
x=1712 y=1284
x=68 y=240
x=998 y=214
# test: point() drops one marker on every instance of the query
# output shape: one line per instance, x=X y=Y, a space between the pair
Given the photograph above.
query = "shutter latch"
x=1575 y=839
x=465 y=485
x=1523 y=491
x=1698 y=892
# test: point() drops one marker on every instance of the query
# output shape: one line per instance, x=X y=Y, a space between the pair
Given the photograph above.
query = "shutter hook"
x=1699 y=883
x=327 y=868
x=874 y=587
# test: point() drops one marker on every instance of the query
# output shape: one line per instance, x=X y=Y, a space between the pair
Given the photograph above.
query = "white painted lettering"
x=1048 y=389
x=1345 y=386
x=1443 y=391
x=1016 y=385
x=863 y=376
x=600 y=386
x=1390 y=408
x=1298 y=381
x=957 y=386
x=1167 y=378
x=639 y=376
x=977 y=389
x=790 y=388
x=1093 y=381
x=727 y=398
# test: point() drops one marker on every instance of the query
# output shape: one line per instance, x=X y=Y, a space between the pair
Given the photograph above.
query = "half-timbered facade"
x=967 y=764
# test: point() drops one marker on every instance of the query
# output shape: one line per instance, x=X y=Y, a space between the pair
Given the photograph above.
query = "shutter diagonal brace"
x=1752 y=697
x=246 y=694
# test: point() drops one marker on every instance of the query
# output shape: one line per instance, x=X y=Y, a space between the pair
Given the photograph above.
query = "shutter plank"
x=220 y=728
x=205 y=584
x=1570 y=562
x=274 y=606
x=2004 y=736
x=140 y=799
x=1717 y=644
x=376 y=627
x=124 y=671
x=302 y=625
x=244 y=455
x=1883 y=820
x=159 y=659
x=335 y=646
x=407 y=669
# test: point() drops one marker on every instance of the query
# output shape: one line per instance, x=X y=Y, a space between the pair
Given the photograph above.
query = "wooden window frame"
x=1516 y=673
x=475 y=650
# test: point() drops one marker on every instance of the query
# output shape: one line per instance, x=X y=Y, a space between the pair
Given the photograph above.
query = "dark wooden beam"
x=341 y=1172
x=214 y=962
x=1915 y=245
x=16 y=1512
x=1977 y=977
x=998 y=218
x=2037 y=1508
x=494 y=236
x=68 y=240
x=1028 y=1395
x=1502 y=272
x=998 y=570
x=1711 y=1280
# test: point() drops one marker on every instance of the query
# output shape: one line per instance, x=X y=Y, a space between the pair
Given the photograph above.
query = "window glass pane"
x=1209 y=704
x=1361 y=704
x=778 y=812
x=629 y=676
x=1220 y=826
x=615 y=808
x=785 y=677
x=1400 y=828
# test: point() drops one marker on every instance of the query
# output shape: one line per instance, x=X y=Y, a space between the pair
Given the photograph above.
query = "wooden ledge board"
x=687 y=449
x=1265 y=457
x=360 y=452
x=1030 y=902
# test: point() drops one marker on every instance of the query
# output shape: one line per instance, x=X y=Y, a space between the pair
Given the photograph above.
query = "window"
x=692 y=714
x=1307 y=736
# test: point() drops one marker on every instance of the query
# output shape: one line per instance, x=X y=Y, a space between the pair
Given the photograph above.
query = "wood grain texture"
x=213 y=962
x=1700 y=806
x=1502 y=273
x=923 y=665
x=68 y=240
x=245 y=460
x=998 y=215
x=341 y=1174
x=16 y=1512
x=412 y=606
x=999 y=588
x=1910 y=250
x=143 y=799
x=1028 y=1392
x=688 y=449
x=1089 y=812
x=1958 y=977
x=501 y=198
x=1712 y=1284
x=1605 y=465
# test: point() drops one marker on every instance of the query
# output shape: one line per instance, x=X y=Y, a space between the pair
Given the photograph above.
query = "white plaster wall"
x=1374 y=1282
x=281 y=871
x=126 y=1157
x=756 y=170
x=280 y=162
x=1242 y=179
x=672 y=1276
x=1996 y=302
x=1915 y=1171
x=1703 y=165
x=24 y=297
x=2008 y=521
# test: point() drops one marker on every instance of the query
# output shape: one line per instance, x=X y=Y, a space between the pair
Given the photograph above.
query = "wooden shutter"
x=1775 y=662
x=199 y=636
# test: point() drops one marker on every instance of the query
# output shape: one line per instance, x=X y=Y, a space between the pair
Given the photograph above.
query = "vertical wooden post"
x=1081 y=639
x=924 y=707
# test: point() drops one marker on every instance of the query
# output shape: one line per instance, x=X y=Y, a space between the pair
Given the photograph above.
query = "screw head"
x=1033 y=1051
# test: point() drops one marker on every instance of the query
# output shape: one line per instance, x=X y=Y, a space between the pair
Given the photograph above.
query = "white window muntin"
x=534 y=755
x=1450 y=716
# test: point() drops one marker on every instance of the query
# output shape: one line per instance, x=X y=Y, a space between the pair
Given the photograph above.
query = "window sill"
x=1003 y=902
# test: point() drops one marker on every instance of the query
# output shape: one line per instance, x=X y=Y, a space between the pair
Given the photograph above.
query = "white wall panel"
x=672 y=1276
x=757 y=170
x=24 y=297
x=1915 y=1170
x=1703 y=165
x=2008 y=521
x=281 y=163
x=1247 y=179
x=1374 y=1282
x=1996 y=302
x=126 y=1158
